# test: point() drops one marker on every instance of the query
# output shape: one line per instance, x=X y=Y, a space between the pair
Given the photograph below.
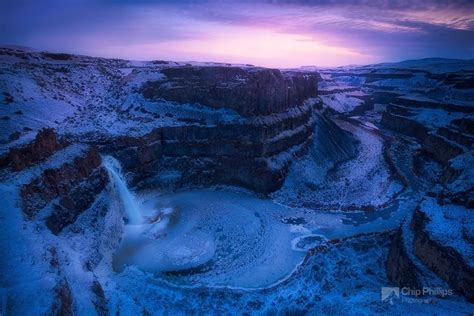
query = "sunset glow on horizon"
x=271 y=34
x=246 y=46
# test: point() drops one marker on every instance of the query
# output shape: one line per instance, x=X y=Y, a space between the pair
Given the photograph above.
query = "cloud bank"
x=268 y=33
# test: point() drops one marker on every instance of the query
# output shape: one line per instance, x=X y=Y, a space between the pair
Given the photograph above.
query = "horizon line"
x=29 y=49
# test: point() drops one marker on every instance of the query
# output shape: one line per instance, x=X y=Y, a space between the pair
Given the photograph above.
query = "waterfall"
x=128 y=200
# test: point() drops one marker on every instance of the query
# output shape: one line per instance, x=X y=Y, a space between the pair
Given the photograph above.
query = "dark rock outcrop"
x=458 y=181
x=63 y=304
x=439 y=147
x=446 y=262
x=44 y=145
x=100 y=301
x=465 y=124
x=416 y=103
x=249 y=91
x=254 y=152
x=75 y=186
x=400 y=269
x=457 y=136
x=404 y=125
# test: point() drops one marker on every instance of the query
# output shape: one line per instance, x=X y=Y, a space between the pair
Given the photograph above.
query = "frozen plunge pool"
x=228 y=239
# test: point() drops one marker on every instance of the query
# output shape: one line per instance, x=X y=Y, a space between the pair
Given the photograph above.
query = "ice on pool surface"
x=184 y=253
x=229 y=239
x=217 y=238
x=305 y=243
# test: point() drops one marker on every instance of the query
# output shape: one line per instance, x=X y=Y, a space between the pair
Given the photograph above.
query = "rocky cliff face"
x=457 y=180
x=73 y=185
x=400 y=269
x=442 y=145
x=252 y=154
x=69 y=189
x=43 y=146
x=447 y=262
x=249 y=91
x=436 y=125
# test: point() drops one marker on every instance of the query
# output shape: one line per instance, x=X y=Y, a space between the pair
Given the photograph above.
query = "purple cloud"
x=289 y=32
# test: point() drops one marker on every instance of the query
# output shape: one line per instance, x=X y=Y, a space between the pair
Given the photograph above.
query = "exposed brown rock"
x=76 y=201
x=44 y=145
x=75 y=185
x=63 y=305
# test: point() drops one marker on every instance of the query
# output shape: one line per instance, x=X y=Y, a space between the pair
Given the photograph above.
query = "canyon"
x=145 y=187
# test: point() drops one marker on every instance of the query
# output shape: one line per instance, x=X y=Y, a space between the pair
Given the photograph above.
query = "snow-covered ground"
x=430 y=80
x=362 y=181
x=451 y=226
x=342 y=102
x=90 y=97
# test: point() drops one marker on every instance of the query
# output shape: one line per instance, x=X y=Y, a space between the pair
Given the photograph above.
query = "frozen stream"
x=233 y=239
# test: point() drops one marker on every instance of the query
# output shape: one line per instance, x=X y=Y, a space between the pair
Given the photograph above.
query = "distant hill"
x=429 y=64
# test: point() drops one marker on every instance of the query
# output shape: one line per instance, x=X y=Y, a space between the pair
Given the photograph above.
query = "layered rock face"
x=442 y=143
x=439 y=241
x=73 y=185
x=252 y=154
x=438 y=227
x=43 y=146
x=432 y=102
x=446 y=261
x=253 y=149
x=436 y=242
x=250 y=91
x=56 y=179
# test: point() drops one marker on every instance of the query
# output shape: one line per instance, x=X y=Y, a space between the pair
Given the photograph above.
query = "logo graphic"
x=390 y=294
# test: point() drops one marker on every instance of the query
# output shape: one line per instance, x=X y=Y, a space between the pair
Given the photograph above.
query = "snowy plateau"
x=159 y=187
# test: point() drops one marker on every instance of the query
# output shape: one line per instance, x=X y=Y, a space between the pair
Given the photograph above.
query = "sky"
x=274 y=33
